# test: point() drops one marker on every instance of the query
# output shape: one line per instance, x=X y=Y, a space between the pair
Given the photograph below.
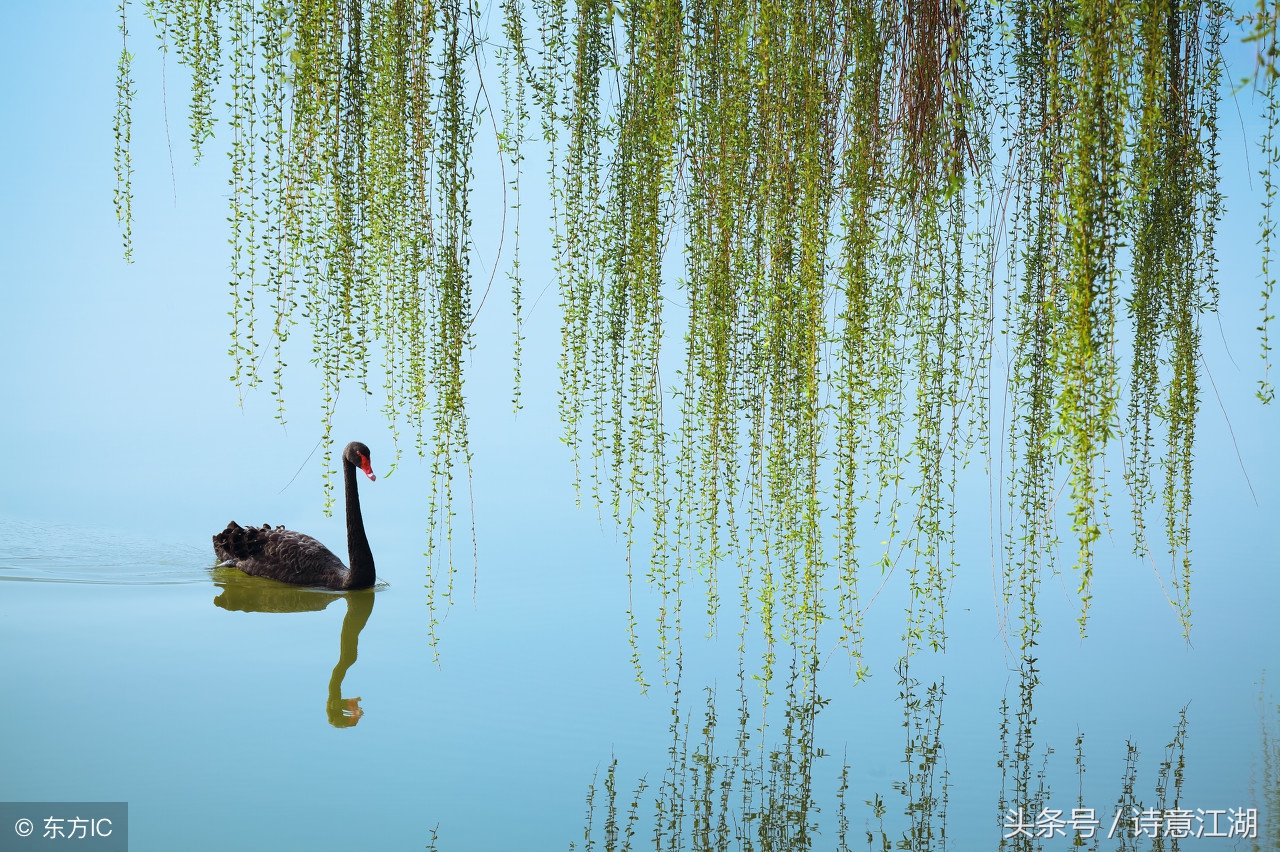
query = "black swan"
x=297 y=558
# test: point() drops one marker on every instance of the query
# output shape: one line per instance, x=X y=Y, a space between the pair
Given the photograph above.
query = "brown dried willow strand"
x=933 y=78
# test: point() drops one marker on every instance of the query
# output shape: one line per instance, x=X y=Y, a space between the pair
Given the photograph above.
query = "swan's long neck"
x=360 y=574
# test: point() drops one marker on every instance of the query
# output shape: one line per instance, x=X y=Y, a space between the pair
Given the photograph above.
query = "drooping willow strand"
x=1266 y=78
x=123 y=196
x=834 y=195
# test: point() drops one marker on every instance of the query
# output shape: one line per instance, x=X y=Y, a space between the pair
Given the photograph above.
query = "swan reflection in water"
x=242 y=593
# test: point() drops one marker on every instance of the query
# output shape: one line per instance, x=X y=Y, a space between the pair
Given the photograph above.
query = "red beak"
x=367 y=468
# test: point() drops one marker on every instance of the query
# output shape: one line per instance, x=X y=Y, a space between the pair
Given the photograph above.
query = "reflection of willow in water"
x=760 y=798
x=754 y=797
x=926 y=784
x=748 y=798
x=242 y=593
x=1029 y=813
x=1266 y=771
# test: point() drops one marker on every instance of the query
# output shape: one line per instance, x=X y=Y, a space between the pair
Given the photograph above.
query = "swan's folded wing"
x=281 y=554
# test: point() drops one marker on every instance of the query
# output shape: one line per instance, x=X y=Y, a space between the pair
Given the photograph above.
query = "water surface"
x=236 y=712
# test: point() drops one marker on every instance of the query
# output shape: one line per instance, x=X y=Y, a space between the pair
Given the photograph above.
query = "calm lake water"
x=235 y=712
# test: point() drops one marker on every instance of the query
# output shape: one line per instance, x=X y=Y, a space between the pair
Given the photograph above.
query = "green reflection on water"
x=1027 y=802
x=760 y=796
x=239 y=592
x=749 y=796
x=1266 y=770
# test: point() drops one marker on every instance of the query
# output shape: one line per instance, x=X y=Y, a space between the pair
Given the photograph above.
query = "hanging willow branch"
x=835 y=193
x=123 y=129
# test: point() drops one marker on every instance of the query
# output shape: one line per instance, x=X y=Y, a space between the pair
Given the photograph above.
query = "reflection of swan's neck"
x=359 y=608
x=360 y=575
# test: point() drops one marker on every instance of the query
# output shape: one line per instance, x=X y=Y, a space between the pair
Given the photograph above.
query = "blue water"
x=128 y=681
x=212 y=723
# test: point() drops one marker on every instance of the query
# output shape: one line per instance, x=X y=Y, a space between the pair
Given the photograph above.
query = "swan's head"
x=358 y=454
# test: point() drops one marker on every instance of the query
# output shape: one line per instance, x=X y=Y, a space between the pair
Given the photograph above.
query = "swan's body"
x=294 y=557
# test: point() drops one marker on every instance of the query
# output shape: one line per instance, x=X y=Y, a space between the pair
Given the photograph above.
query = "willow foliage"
x=855 y=204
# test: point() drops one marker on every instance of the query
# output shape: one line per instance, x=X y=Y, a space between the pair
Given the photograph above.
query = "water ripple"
x=33 y=552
